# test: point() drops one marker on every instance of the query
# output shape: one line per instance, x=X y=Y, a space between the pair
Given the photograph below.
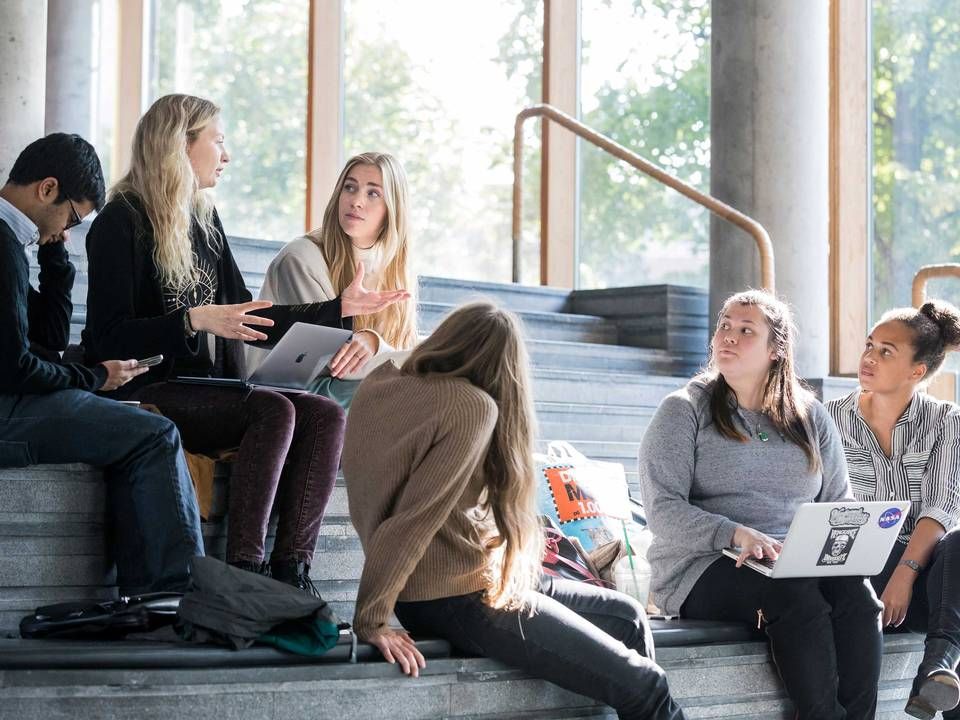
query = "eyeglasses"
x=76 y=216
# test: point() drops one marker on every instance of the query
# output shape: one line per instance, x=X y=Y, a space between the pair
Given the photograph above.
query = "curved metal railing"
x=919 y=292
x=718 y=208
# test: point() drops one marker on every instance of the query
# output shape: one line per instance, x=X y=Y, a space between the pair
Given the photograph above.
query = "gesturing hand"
x=753 y=543
x=357 y=300
x=120 y=372
x=231 y=321
x=397 y=647
x=355 y=354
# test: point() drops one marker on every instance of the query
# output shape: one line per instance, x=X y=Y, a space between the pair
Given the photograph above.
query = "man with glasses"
x=48 y=412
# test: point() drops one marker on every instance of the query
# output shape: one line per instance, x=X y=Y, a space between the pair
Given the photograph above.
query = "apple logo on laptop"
x=300 y=357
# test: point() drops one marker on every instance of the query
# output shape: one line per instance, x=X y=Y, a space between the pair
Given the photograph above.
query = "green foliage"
x=916 y=145
x=461 y=223
x=628 y=222
x=250 y=57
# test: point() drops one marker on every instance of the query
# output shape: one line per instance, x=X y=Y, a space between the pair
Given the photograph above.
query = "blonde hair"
x=397 y=323
x=483 y=344
x=785 y=400
x=161 y=176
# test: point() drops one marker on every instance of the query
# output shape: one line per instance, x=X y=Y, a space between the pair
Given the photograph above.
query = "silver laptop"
x=832 y=539
x=303 y=353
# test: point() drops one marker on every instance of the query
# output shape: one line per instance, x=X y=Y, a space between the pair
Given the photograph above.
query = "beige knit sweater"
x=414 y=445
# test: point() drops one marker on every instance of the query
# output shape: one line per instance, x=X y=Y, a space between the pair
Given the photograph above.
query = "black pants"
x=824 y=634
x=935 y=605
x=586 y=639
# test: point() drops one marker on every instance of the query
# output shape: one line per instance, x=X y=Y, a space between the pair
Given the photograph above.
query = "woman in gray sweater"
x=725 y=462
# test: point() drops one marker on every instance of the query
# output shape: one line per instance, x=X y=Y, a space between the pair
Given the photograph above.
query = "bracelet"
x=913 y=565
x=187 y=325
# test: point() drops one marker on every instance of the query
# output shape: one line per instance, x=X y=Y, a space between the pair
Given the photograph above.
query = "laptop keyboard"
x=766 y=562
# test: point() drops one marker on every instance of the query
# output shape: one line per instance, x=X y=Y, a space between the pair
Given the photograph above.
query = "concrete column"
x=69 y=66
x=23 y=40
x=769 y=146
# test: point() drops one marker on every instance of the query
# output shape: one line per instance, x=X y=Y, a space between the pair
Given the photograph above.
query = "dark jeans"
x=289 y=454
x=586 y=639
x=155 y=524
x=824 y=634
x=935 y=605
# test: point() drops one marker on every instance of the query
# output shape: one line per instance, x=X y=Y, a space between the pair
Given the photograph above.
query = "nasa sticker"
x=889 y=518
x=845 y=524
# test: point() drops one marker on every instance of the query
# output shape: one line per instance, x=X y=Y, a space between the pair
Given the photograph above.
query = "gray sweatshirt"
x=699 y=486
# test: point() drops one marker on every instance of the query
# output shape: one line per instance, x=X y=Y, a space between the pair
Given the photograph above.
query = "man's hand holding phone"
x=120 y=372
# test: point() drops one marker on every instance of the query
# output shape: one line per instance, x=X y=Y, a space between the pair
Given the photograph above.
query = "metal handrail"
x=718 y=208
x=919 y=293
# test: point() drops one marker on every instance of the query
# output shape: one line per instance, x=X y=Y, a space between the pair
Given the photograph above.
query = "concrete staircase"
x=602 y=361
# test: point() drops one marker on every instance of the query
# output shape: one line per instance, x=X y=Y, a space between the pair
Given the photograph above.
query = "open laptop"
x=303 y=353
x=832 y=539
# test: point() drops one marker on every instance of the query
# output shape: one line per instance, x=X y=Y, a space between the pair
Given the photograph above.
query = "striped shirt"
x=924 y=464
x=23 y=227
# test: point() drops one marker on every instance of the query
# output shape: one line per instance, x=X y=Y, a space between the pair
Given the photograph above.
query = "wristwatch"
x=913 y=565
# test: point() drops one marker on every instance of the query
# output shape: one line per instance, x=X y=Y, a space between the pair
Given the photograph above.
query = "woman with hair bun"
x=902 y=444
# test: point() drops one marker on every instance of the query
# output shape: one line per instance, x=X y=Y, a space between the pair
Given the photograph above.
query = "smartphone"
x=150 y=361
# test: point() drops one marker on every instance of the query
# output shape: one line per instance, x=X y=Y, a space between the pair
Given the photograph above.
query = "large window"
x=916 y=146
x=438 y=84
x=645 y=82
x=250 y=57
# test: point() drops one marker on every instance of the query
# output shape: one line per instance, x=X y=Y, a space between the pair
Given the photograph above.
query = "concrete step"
x=515 y=297
x=598 y=387
x=575 y=422
x=612 y=358
x=735 y=681
x=538 y=325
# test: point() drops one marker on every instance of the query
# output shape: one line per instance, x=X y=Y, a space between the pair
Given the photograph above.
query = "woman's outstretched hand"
x=397 y=647
x=231 y=321
x=357 y=300
x=754 y=544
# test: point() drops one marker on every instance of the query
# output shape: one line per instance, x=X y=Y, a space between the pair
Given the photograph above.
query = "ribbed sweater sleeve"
x=667 y=468
x=445 y=439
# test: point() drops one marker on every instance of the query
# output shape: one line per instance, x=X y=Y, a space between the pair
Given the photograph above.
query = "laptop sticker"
x=889 y=518
x=845 y=524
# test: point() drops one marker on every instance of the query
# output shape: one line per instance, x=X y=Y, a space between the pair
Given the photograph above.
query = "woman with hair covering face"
x=364 y=233
x=438 y=460
x=163 y=281
x=902 y=444
x=726 y=462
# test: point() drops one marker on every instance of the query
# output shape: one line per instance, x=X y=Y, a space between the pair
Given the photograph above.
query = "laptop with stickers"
x=834 y=539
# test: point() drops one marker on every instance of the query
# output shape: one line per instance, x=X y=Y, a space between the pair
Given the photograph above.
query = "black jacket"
x=126 y=317
x=35 y=324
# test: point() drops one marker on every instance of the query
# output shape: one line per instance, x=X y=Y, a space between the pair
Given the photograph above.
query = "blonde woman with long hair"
x=163 y=281
x=365 y=235
x=438 y=459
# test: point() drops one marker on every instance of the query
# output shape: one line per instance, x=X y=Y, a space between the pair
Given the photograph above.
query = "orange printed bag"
x=587 y=498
